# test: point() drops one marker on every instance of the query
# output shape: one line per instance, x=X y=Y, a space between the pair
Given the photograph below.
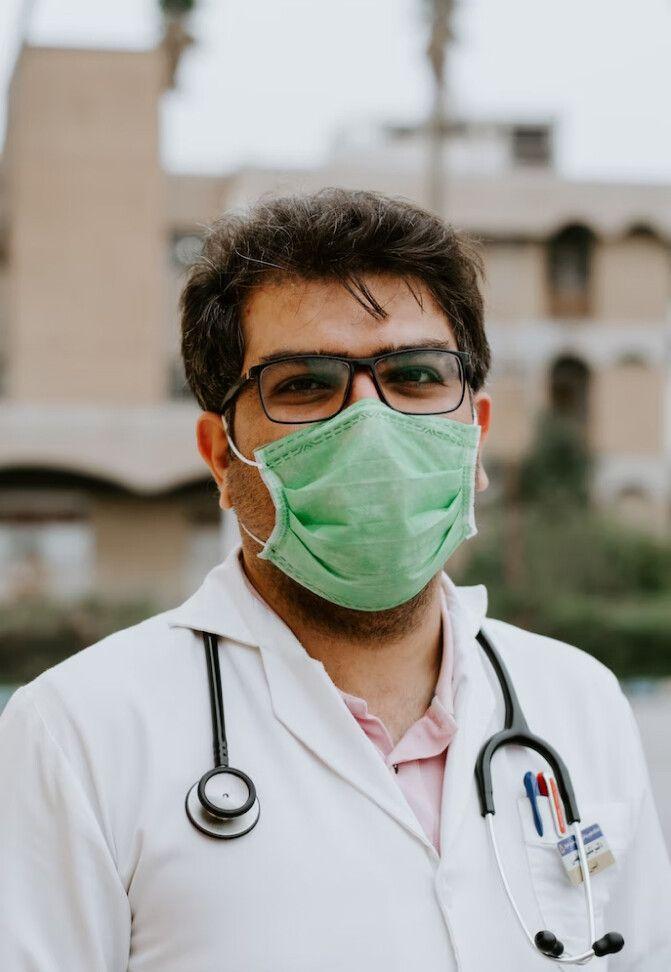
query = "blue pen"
x=531 y=786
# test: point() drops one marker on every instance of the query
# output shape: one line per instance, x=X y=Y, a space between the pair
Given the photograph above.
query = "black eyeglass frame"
x=255 y=372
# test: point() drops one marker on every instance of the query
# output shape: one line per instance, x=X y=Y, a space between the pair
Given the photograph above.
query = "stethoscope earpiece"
x=548 y=944
x=610 y=943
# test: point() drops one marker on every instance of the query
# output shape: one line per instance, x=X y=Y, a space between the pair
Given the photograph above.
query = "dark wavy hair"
x=332 y=234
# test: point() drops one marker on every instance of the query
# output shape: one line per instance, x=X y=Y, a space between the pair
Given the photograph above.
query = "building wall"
x=94 y=267
x=141 y=547
x=86 y=227
x=515 y=285
x=624 y=343
x=627 y=409
x=4 y=322
x=632 y=280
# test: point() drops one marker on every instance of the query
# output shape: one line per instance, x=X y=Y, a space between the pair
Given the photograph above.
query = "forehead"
x=304 y=316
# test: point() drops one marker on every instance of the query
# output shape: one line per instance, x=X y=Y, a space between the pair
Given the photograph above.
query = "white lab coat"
x=101 y=871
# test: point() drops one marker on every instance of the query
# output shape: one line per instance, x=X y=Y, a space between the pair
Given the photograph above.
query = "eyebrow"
x=387 y=349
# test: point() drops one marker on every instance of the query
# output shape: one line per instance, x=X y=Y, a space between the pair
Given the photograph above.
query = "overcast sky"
x=273 y=81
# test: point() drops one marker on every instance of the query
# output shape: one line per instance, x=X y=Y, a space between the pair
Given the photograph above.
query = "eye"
x=415 y=375
x=305 y=383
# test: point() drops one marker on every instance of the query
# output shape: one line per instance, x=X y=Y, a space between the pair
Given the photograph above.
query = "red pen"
x=548 y=787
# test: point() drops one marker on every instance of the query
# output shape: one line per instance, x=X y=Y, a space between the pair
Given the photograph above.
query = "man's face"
x=303 y=317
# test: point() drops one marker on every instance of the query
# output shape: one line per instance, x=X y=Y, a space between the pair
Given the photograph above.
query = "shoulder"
x=114 y=660
x=548 y=659
x=562 y=688
x=104 y=689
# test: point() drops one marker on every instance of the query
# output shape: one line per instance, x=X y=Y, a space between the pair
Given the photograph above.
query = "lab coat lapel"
x=304 y=699
x=474 y=706
x=308 y=704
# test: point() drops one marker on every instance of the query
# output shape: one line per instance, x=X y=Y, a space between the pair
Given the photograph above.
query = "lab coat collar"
x=215 y=606
x=222 y=602
x=474 y=705
x=309 y=705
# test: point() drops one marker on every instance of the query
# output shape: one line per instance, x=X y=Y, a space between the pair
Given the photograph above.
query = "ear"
x=213 y=447
x=482 y=403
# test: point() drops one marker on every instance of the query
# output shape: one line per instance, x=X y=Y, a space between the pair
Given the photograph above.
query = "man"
x=335 y=343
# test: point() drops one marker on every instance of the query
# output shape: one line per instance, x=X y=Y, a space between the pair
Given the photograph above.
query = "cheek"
x=463 y=413
x=250 y=497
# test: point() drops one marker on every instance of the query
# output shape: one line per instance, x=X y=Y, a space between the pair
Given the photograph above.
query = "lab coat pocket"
x=561 y=904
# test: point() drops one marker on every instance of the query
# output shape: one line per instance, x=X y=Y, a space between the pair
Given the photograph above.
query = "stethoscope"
x=516 y=732
x=224 y=804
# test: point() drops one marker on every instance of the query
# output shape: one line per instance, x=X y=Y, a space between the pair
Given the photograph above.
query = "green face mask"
x=369 y=504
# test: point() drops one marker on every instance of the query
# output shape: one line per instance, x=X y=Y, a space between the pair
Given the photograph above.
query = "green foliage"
x=553 y=565
x=177 y=8
x=570 y=549
x=557 y=470
x=582 y=578
x=632 y=636
x=36 y=634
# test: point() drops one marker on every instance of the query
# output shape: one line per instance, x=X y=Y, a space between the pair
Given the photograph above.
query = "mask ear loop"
x=234 y=448
x=248 y=462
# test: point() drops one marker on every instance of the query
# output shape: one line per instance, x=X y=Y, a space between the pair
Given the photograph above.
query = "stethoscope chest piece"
x=223 y=803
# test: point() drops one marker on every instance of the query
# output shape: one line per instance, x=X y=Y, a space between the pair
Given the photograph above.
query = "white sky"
x=273 y=81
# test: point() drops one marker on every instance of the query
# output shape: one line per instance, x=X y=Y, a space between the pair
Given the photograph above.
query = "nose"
x=363 y=386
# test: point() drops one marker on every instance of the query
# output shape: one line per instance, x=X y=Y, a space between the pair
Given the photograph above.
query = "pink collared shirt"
x=418 y=758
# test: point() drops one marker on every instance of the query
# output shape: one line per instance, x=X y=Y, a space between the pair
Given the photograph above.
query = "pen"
x=556 y=804
x=531 y=786
x=547 y=786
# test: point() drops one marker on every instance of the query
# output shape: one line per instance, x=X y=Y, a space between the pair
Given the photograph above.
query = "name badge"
x=598 y=853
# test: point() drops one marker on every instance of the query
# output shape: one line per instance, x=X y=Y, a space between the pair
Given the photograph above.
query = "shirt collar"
x=441 y=707
x=432 y=733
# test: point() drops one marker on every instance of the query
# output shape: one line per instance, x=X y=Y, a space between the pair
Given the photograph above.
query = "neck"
x=389 y=658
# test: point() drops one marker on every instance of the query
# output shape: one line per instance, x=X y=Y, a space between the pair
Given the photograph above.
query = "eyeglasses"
x=314 y=387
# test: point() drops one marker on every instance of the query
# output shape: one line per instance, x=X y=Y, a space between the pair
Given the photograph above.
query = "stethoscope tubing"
x=219 y=743
x=225 y=819
x=589 y=903
x=230 y=822
x=516 y=732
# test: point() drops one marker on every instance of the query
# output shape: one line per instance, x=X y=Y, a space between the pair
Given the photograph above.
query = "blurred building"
x=101 y=485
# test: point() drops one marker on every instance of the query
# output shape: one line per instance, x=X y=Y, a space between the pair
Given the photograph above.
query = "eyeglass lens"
x=310 y=389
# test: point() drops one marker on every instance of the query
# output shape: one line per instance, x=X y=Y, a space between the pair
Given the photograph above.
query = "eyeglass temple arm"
x=233 y=391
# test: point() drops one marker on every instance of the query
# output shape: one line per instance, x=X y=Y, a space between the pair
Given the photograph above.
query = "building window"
x=569 y=389
x=185 y=249
x=642 y=231
x=208 y=533
x=569 y=272
x=636 y=507
x=631 y=359
x=45 y=557
x=532 y=145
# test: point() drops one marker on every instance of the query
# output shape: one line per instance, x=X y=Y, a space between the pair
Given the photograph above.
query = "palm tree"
x=176 y=37
x=440 y=17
